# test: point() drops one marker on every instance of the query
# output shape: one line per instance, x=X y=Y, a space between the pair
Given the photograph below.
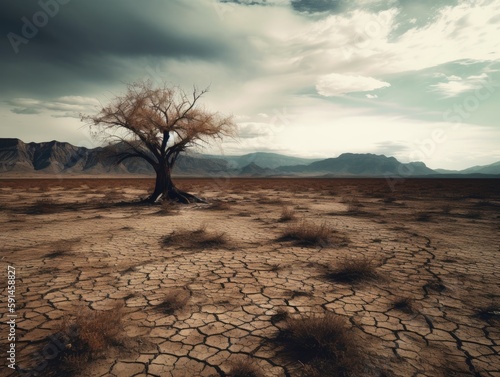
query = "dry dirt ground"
x=205 y=286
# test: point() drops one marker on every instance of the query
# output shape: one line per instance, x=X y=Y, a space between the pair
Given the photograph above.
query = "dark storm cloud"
x=314 y=6
x=84 y=42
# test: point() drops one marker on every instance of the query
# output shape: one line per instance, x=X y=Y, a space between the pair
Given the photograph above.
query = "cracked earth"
x=435 y=244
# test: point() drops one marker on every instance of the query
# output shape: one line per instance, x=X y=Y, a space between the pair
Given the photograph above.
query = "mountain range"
x=17 y=157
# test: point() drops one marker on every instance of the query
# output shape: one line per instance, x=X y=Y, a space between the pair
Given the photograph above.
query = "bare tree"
x=157 y=124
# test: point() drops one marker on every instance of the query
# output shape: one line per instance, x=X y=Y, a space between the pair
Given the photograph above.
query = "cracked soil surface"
x=432 y=310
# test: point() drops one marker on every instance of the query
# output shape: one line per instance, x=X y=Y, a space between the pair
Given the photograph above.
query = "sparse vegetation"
x=446 y=209
x=311 y=234
x=62 y=247
x=404 y=304
x=353 y=270
x=436 y=286
x=389 y=199
x=287 y=214
x=261 y=199
x=174 y=300
x=197 y=239
x=275 y=267
x=472 y=214
x=84 y=338
x=354 y=206
x=322 y=345
x=244 y=368
x=42 y=207
x=168 y=208
x=423 y=216
x=489 y=313
x=281 y=315
x=219 y=205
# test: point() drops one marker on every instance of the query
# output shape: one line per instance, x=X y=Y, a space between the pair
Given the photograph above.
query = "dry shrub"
x=287 y=214
x=62 y=247
x=446 y=209
x=472 y=214
x=354 y=206
x=270 y=201
x=436 y=286
x=173 y=301
x=219 y=206
x=311 y=234
x=389 y=199
x=279 y=316
x=42 y=206
x=353 y=271
x=197 y=239
x=244 y=368
x=323 y=345
x=404 y=304
x=489 y=313
x=168 y=208
x=83 y=338
x=423 y=216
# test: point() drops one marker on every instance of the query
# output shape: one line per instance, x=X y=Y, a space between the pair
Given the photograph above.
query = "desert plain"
x=406 y=272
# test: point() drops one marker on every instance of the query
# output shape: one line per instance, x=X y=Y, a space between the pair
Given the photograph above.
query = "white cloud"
x=336 y=84
x=457 y=85
x=371 y=96
x=254 y=130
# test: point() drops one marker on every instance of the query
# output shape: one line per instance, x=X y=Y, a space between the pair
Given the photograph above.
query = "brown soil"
x=432 y=307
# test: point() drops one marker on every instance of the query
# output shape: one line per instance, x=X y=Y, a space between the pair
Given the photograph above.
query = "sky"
x=417 y=80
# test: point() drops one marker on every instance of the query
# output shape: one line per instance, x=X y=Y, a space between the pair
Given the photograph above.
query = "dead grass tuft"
x=323 y=345
x=436 y=286
x=261 y=199
x=307 y=233
x=287 y=214
x=173 y=301
x=244 y=368
x=62 y=247
x=489 y=313
x=197 y=239
x=354 y=206
x=84 y=338
x=423 y=216
x=472 y=214
x=42 y=206
x=219 y=206
x=404 y=304
x=168 y=208
x=446 y=209
x=281 y=315
x=353 y=270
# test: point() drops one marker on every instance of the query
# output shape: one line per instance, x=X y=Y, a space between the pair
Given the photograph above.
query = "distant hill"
x=484 y=169
x=264 y=160
x=63 y=158
x=350 y=164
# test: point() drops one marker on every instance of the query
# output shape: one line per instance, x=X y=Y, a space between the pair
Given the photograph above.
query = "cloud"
x=254 y=130
x=391 y=148
x=62 y=107
x=456 y=85
x=25 y=110
x=336 y=84
x=314 y=6
x=371 y=96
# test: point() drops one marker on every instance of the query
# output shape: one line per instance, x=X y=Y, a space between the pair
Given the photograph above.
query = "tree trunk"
x=166 y=190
